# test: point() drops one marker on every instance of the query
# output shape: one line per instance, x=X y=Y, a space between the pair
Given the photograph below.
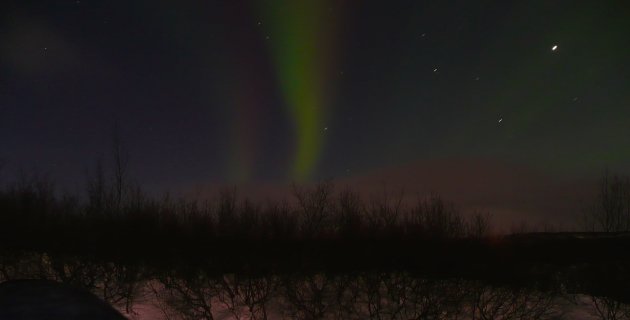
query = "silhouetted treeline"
x=318 y=229
x=117 y=214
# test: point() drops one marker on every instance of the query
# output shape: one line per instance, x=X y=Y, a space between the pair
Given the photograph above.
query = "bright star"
x=554 y=48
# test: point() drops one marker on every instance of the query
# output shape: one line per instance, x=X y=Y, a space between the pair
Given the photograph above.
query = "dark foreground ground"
x=526 y=276
x=586 y=263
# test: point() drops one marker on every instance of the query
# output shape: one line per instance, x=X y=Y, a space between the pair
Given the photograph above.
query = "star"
x=435 y=70
x=500 y=120
x=325 y=128
x=554 y=48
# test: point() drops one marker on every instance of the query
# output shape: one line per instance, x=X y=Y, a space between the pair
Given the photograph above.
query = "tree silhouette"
x=610 y=212
x=610 y=309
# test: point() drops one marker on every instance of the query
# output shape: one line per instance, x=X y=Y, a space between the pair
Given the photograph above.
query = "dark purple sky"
x=264 y=93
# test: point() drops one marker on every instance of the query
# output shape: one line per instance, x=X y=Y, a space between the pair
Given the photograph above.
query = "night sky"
x=507 y=97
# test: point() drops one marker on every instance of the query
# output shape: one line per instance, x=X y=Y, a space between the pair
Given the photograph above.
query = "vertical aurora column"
x=299 y=38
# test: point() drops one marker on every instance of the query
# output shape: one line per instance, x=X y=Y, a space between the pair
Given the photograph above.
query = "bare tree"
x=309 y=297
x=610 y=211
x=190 y=298
x=227 y=212
x=315 y=207
x=479 y=225
x=245 y=297
x=385 y=211
x=489 y=303
x=610 y=309
x=121 y=162
x=520 y=227
x=347 y=292
x=402 y=296
x=97 y=189
x=349 y=213
x=120 y=285
x=279 y=221
x=435 y=217
x=249 y=219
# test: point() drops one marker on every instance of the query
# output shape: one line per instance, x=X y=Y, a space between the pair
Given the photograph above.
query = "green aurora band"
x=298 y=41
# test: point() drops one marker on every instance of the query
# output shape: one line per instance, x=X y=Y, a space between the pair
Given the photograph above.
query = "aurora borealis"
x=300 y=48
x=262 y=93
